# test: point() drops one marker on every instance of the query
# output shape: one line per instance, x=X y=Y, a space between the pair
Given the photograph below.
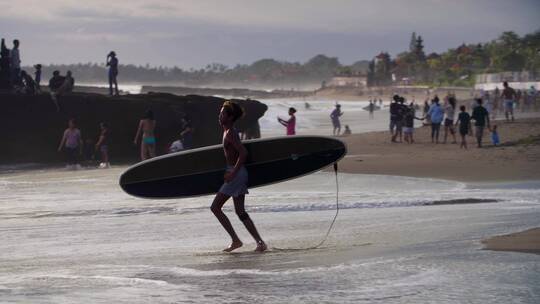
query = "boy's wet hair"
x=479 y=101
x=462 y=108
x=233 y=109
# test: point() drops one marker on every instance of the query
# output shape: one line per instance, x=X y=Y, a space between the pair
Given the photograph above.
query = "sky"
x=193 y=33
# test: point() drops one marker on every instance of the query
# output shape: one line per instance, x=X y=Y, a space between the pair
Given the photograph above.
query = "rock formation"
x=32 y=128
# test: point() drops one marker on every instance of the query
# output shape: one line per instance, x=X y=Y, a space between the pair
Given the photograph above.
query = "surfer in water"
x=235 y=179
x=148 y=144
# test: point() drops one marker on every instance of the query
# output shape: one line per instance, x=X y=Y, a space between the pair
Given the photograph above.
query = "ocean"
x=75 y=237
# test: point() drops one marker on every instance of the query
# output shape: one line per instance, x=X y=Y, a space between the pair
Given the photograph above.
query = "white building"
x=348 y=81
x=517 y=80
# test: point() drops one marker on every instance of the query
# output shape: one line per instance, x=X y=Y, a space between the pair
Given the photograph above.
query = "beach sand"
x=525 y=241
x=517 y=159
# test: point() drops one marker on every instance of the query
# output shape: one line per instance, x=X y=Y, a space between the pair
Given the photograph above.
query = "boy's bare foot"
x=261 y=246
x=233 y=246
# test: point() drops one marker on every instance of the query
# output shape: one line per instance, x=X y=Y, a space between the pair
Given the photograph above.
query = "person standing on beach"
x=147 y=126
x=480 y=115
x=102 y=145
x=112 y=63
x=449 y=112
x=371 y=109
x=72 y=145
x=408 y=122
x=335 y=115
x=402 y=109
x=235 y=179
x=436 y=113
x=464 y=121
x=508 y=95
x=394 y=117
x=291 y=123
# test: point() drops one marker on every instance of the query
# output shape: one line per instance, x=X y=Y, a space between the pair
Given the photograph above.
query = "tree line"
x=457 y=66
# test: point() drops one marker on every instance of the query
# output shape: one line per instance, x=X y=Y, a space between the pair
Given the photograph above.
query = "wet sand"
x=518 y=158
x=525 y=241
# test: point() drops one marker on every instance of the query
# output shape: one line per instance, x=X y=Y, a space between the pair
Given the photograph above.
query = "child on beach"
x=464 y=122
x=236 y=178
x=291 y=123
x=347 y=131
x=408 y=128
x=495 y=136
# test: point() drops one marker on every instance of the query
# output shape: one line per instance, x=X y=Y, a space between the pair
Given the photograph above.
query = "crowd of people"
x=484 y=110
x=510 y=100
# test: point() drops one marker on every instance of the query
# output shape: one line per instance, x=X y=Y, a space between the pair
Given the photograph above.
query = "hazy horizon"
x=191 y=34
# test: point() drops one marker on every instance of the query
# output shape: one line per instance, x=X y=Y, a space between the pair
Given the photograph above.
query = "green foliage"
x=458 y=66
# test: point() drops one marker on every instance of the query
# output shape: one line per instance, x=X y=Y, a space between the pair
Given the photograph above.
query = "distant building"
x=358 y=81
x=517 y=80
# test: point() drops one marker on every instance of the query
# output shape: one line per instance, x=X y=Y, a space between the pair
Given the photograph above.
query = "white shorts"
x=237 y=186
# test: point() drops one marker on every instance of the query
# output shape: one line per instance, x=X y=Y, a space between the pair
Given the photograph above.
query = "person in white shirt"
x=449 y=112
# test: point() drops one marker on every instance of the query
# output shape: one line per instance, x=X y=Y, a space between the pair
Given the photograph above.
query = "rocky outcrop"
x=246 y=93
x=32 y=127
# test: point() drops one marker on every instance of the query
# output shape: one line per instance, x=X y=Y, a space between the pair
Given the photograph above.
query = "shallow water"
x=75 y=237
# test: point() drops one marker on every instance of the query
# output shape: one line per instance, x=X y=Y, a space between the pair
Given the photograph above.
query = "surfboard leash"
x=331 y=224
x=337 y=210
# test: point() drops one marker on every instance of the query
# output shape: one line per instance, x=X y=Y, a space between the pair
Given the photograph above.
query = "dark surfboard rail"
x=200 y=171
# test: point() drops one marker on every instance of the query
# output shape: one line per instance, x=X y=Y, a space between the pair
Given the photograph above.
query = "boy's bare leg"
x=241 y=212
x=217 y=204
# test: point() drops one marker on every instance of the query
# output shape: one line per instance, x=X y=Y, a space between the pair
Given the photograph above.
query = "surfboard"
x=200 y=171
x=375 y=108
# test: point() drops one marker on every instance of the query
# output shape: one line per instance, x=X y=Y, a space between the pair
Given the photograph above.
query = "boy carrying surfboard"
x=235 y=179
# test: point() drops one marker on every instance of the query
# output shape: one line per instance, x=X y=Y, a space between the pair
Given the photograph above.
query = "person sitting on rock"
x=68 y=84
x=29 y=85
x=56 y=81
